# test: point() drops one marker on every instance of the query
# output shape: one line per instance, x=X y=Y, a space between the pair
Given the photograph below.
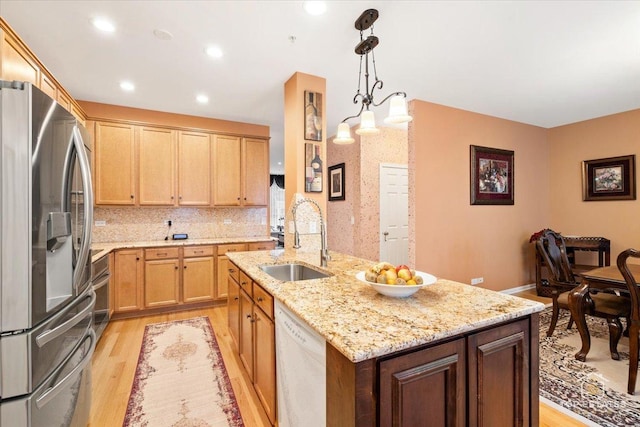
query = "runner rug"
x=595 y=389
x=181 y=379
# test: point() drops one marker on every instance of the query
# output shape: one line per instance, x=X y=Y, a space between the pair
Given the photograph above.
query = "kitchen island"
x=463 y=355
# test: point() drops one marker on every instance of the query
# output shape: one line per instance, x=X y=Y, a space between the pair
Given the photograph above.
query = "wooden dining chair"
x=605 y=305
x=552 y=248
x=634 y=320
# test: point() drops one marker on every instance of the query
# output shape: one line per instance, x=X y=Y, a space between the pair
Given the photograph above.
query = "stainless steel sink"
x=293 y=272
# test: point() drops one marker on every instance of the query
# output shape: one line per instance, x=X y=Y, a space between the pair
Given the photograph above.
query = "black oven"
x=100 y=280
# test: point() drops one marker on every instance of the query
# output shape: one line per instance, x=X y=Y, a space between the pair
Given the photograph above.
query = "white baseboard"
x=519 y=289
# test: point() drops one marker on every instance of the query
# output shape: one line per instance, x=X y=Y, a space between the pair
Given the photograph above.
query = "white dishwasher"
x=301 y=371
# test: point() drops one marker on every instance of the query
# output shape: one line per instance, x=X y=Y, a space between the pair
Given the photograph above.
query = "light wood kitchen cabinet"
x=264 y=369
x=48 y=86
x=233 y=305
x=267 y=245
x=226 y=170
x=114 y=164
x=251 y=317
x=222 y=267
x=194 y=169
x=241 y=171
x=156 y=166
x=246 y=330
x=17 y=61
x=128 y=280
x=198 y=279
x=255 y=172
x=161 y=277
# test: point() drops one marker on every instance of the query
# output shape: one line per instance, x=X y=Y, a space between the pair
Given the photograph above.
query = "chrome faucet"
x=324 y=252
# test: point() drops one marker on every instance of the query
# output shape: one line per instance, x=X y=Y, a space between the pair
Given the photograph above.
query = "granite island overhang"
x=478 y=339
x=362 y=324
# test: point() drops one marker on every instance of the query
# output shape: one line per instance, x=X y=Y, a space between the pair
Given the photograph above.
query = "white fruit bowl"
x=399 y=291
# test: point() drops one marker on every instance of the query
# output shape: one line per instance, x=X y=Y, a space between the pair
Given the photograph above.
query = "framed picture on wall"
x=313 y=168
x=312 y=116
x=613 y=178
x=336 y=182
x=491 y=176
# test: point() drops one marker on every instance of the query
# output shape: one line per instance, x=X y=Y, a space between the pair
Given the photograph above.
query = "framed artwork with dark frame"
x=612 y=178
x=336 y=182
x=491 y=176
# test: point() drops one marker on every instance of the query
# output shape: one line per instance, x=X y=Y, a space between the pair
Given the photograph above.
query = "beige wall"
x=362 y=190
x=570 y=145
x=454 y=239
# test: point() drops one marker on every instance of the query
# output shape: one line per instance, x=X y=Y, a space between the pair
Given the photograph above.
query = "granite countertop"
x=362 y=324
x=104 y=248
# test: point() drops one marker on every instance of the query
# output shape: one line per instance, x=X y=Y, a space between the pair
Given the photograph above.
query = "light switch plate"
x=227 y=221
x=100 y=223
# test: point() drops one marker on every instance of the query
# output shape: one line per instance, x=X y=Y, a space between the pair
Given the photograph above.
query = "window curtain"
x=278 y=180
x=276 y=193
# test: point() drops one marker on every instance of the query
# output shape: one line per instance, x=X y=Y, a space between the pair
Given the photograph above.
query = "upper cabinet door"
x=157 y=165
x=255 y=171
x=17 y=63
x=226 y=171
x=194 y=169
x=115 y=164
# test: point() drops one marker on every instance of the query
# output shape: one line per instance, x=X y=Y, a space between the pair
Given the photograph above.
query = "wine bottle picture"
x=312 y=116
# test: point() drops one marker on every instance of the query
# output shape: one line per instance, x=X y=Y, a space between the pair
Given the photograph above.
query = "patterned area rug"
x=595 y=389
x=181 y=379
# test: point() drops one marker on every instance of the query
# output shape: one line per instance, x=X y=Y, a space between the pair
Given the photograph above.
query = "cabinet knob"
x=260 y=299
x=171 y=197
x=243 y=283
x=236 y=298
x=185 y=267
x=238 y=197
x=176 y=267
x=132 y=196
x=231 y=270
x=137 y=258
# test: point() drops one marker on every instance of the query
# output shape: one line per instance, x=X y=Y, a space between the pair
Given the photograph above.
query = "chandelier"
x=397 y=106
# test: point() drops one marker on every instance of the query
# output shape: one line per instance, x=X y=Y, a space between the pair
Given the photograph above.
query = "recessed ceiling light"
x=214 y=52
x=202 y=99
x=162 y=34
x=315 y=8
x=127 y=86
x=103 y=24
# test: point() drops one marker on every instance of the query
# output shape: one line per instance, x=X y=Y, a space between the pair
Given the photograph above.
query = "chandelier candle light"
x=398 y=106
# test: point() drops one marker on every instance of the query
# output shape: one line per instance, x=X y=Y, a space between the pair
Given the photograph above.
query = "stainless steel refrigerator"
x=46 y=297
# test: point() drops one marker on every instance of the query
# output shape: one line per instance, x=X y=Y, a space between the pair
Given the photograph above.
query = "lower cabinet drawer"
x=235 y=247
x=263 y=299
x=196 y=251
x=161 y=253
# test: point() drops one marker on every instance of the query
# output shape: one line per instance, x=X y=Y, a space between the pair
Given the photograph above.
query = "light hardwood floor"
x=116 y=357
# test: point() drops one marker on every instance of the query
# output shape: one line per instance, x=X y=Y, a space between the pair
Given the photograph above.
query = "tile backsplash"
x=125 y=224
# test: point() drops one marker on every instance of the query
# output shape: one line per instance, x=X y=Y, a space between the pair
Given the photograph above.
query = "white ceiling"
x=545 y=63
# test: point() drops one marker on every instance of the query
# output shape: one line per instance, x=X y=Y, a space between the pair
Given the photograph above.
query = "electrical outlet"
x=100 y=223
x=263 y=221
x=313 y=228
x=477 y=280
x=227 y=221
x=168 y=222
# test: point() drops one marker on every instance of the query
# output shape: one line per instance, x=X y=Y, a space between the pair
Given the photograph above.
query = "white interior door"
x=394 y=213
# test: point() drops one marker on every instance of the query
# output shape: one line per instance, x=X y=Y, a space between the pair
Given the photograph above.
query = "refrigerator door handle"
x=85 y=171
x=51 y=334
x=51 y=392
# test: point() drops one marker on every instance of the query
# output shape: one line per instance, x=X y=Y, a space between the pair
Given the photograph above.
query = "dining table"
x=599 y=279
